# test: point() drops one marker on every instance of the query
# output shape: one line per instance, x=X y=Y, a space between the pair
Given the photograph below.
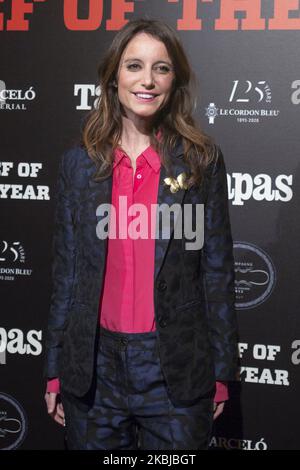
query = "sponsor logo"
x=12 y=261
x=255 y=275
x=243 y=187
x=295 y=97
x=13 y=423
x=237 y=444
x=15 y=100
x=249 y=103
x=15 y=341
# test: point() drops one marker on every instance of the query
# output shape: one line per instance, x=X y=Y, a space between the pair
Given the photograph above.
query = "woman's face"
x=145 y=66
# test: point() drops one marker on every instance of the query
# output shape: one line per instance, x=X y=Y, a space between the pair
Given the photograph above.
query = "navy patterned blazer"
x=193 y=289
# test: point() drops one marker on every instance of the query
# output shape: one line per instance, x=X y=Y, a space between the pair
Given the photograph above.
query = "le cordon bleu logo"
x=13 y=262
x=248 y=102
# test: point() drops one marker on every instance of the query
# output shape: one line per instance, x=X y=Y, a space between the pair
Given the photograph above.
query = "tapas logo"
x=12 y=261
x=261 y=187
x=13 y=423
x=86 y=92
x=15 y=100
x=255 y=275
x=245 y=96
x=15 y=341
x=295 y=97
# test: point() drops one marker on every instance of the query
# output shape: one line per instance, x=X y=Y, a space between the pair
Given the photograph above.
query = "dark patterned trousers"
x=128 y=406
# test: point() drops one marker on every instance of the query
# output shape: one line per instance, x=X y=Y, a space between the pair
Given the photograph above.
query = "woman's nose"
x=148 y=78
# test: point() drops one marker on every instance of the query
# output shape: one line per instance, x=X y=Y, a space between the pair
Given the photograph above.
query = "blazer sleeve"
x=63 y=263
x=218 y=273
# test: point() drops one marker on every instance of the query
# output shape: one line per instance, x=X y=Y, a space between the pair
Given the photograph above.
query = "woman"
x=142 y=329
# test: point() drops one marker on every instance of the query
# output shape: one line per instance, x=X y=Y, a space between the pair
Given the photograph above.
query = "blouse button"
x=139 y=176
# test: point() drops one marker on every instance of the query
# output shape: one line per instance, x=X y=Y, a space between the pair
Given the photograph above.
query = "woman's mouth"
x=145 y=97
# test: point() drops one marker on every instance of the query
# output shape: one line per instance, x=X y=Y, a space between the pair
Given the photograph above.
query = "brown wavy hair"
x=102 y=127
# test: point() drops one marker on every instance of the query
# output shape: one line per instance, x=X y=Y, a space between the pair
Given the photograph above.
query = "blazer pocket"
x=189 y=304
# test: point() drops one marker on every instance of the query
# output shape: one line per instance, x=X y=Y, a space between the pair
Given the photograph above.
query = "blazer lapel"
x=166 y=197
x=95 y=248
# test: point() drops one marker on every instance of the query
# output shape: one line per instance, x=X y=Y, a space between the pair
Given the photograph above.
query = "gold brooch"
x=178 y=183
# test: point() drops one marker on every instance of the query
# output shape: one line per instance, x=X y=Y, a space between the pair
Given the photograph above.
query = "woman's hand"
x=55 y=408
x=218 y=408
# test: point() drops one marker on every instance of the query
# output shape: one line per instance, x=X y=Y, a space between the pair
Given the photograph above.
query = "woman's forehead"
x=143 y=46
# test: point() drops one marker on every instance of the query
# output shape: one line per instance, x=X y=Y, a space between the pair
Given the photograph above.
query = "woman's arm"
x=53 y=386
x=54 y=406
x=218 y=273
x=63 y=249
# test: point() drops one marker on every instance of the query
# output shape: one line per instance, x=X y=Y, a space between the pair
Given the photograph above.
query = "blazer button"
x=162 y=285
x=163 y=323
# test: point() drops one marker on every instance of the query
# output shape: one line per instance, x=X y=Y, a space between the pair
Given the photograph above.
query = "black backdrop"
x=245 y=55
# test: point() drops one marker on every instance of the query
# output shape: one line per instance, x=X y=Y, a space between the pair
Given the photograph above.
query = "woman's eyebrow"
x=158 y=61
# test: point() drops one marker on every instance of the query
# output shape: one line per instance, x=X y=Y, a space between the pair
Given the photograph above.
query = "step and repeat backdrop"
x=246 y=57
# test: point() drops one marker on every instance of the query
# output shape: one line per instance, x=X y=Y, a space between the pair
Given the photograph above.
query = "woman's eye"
x=133 y=66
x=164 y=69
x=160 y=68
